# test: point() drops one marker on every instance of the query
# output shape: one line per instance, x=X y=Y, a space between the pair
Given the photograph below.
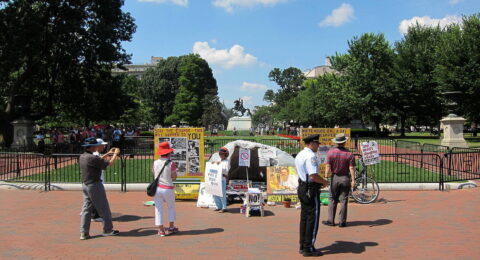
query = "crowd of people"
x=63 y=140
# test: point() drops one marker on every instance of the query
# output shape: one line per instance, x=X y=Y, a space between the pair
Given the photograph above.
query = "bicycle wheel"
x=366 y=190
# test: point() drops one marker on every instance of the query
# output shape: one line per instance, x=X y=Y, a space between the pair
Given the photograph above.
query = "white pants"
x=168 y=196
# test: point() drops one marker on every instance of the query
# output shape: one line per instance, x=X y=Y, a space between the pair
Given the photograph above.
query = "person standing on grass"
x=94 y=195
x=221 y=201
x=165 y=189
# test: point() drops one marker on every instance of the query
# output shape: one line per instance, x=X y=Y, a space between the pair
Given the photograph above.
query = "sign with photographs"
x=326 y=136
x=188 y=144
x=282 y=180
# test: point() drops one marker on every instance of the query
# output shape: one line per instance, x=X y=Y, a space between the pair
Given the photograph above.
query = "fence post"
x=449 y=162
x=19 y=172
x=421 y=155
x=441 y=183
x=47 y=173
x=123 y=174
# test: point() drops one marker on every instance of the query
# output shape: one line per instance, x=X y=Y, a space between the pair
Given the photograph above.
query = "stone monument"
x=240 y=122
x=22 y=127
x=452 y=125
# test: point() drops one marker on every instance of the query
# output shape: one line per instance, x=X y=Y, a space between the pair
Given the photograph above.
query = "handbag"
x=152 y=187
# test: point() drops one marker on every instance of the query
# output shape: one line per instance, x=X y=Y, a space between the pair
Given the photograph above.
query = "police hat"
x=311 y=138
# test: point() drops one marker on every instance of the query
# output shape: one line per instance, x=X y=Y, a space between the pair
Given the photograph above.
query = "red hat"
x=164 y=148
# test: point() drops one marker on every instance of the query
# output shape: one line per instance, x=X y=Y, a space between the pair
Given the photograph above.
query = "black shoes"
x=328 y=223
x=311 y=252
x=342 y=224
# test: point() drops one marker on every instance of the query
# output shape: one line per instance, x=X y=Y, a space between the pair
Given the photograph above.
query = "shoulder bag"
x=152 y=187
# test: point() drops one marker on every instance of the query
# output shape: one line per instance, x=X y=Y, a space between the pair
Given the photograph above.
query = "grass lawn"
x=396 y=172
x=139 y=171
x=472 y=141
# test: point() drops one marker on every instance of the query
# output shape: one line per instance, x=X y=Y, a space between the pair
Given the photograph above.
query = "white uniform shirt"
x=306 y=163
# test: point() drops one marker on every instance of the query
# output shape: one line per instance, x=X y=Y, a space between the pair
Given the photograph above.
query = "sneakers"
x=162 y=233
x=97 y=219
x=111 y=233
x=173 y=230
x=84 y=236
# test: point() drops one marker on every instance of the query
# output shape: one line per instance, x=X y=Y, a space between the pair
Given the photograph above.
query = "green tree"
x=369 y=70
x=158 y=88
x=417 y=95
x=60 y=53
x=459 y=65
x=196 y=84
x=290 y=81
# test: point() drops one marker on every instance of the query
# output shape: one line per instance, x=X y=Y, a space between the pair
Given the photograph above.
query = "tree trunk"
x=402 y=125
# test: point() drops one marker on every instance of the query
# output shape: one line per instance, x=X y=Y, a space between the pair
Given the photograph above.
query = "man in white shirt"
x=309 y=185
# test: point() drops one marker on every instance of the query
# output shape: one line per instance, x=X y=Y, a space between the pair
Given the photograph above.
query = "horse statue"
x=240 y=109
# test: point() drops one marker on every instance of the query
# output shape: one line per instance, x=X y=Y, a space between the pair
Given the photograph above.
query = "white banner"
x=244 y=157
x=205 y=200
x=370 y=153
x=213 y=179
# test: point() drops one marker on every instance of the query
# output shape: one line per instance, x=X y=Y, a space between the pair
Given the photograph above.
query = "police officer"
x=309 y=184
x=340 y=162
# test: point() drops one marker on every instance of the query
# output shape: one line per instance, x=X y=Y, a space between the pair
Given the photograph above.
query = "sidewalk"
x=402 y=225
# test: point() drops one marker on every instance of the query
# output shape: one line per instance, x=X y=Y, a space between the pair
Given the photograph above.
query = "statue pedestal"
x=240 y=123
x=22 y=133
x=453 y=131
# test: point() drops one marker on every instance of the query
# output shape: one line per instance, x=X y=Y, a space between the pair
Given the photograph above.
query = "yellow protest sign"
x=188 y=144
x=326 y=136
x=184 y=191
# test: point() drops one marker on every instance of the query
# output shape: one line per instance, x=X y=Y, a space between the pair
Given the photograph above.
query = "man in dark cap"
x=309 y=184
x=94 y=195
x=340 y=162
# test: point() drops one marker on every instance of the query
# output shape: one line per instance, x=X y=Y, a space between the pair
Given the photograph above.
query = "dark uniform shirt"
x=91 y=167
x=340 y=159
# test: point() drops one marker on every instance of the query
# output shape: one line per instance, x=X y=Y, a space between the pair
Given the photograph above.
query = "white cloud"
x=177 y=2
x=428 y=21
x=253 y=86
x=339 y=16
x=247 y=100
x=227 y=58
x=454 y=2
x=228 y=5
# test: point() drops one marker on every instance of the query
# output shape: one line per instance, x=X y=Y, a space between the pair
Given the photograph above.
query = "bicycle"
x=366 y=189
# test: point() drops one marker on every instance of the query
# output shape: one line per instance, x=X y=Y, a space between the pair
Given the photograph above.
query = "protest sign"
x=244 y=157
x=370 y=153
x=213 y=179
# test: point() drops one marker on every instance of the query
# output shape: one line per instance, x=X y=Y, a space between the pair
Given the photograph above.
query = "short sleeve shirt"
x=306 y=163
x=340 y=159
x=91 y=167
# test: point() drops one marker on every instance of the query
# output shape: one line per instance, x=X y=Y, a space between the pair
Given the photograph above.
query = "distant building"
x=320 y=70
x=137 y=70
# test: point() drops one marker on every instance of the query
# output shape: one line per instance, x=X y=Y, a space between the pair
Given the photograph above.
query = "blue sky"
x=243 y=40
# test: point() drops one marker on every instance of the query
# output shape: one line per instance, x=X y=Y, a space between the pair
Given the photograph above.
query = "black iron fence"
x=401 y=162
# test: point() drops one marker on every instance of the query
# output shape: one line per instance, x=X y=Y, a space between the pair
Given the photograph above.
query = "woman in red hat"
x=165 y=189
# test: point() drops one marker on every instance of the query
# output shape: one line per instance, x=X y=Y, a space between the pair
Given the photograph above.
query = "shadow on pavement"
x=199 y=232
x=127 y=218
x=254 y=213
x=346 y=247
x=139 y=232
x=378 y=222
x=383 y=200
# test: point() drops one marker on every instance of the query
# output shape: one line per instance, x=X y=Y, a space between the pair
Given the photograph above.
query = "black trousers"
x=310 y=213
